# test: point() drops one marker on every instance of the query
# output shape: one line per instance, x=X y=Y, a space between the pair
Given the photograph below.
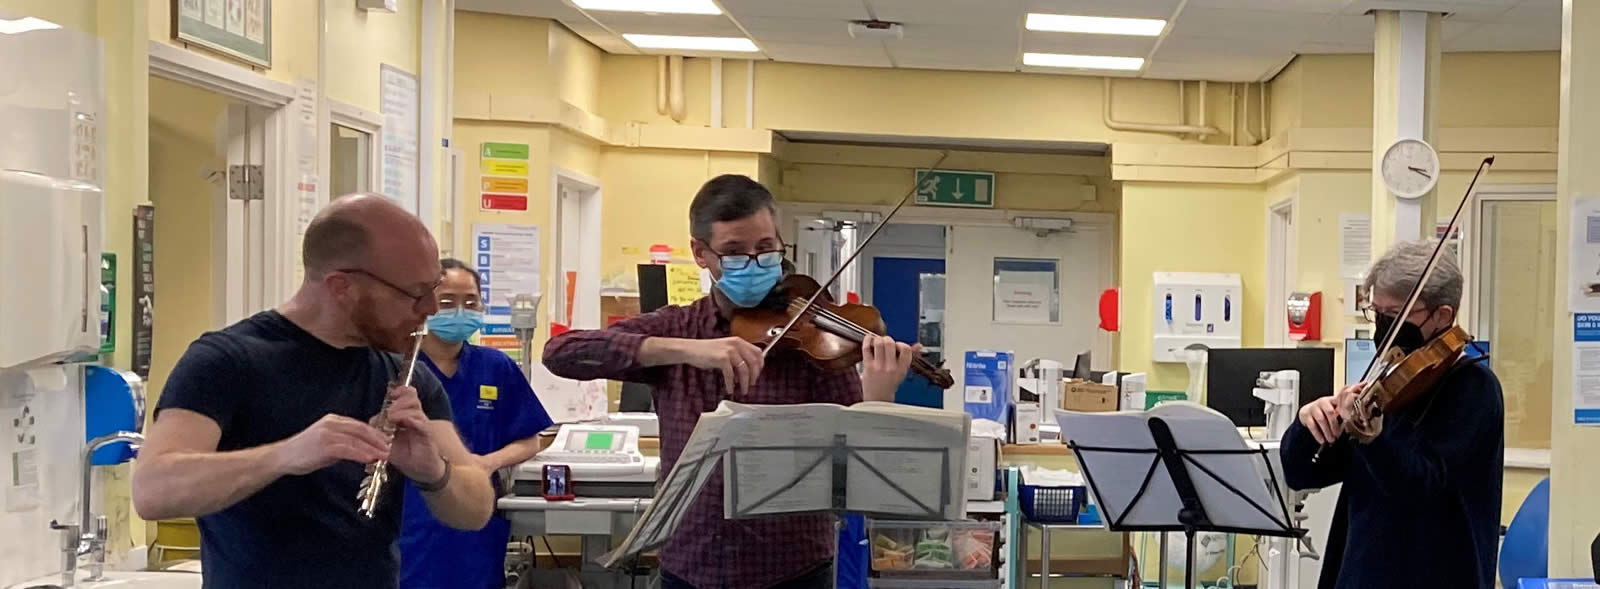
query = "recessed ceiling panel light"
x=1087 y=62
x=1095 y=25
x=25 y=24
x=680 y=42
x=658 y=6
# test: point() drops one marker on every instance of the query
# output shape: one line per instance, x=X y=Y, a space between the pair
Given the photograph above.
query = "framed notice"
x=241 y=29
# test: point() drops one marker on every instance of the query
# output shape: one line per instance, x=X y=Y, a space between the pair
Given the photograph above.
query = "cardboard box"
x=1088 y=397
x=982 y=463
x=1025 y=423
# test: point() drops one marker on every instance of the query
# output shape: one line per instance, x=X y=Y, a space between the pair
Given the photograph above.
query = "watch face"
x=1410 y=168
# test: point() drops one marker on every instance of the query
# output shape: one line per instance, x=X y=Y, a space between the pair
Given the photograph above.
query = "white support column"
x=1574 y=513
x=1404 y=94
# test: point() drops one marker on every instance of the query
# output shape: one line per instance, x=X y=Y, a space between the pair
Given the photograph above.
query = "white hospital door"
x=1038 y=296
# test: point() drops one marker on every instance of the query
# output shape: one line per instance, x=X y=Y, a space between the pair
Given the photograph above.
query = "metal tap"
x=88 y=536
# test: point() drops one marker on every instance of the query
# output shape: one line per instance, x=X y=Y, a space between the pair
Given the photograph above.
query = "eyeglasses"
x=741 y=261
x=1371 y=314
x=416 y=300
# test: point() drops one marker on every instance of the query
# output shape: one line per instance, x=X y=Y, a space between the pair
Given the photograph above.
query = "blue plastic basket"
x=1054 y=505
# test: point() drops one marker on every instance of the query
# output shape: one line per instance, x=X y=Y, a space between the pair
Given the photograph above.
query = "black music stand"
x=1171 y=470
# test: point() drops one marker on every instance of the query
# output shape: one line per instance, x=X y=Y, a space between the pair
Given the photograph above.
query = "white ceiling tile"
x=1314 y=6
x=1224 y=40
x=1314 y=48
x=985 y=13
x=668 y=24
x=837 y=9
x=799 y=30
x=828 y=55
x=1161 y=9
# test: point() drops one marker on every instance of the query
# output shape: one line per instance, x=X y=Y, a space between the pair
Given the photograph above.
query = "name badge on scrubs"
x=487 y=395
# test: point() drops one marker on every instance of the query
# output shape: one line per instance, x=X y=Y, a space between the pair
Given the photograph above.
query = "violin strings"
x=850 y=325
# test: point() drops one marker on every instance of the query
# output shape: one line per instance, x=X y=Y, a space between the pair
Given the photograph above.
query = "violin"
x=802 y=315
x=829 y=334
x=1395 y=378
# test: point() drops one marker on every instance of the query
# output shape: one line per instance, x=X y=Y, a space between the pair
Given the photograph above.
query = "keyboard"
x=571 y=458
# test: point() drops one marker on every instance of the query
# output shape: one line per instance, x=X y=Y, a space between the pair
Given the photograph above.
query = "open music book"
x=880 y=458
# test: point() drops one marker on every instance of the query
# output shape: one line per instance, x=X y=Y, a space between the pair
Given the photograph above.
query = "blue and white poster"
x=507 y=260
x=1586 y=368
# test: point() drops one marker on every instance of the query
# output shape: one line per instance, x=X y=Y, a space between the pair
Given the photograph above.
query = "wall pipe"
x=661 y=85
x=1233 y=113
x=1203 y=103
x=1115 y=125
x=1265 y=130
x=675 y=102
x=1183 y=104
x=716 y=92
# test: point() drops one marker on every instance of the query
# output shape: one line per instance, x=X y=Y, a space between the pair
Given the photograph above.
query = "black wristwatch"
x=439 y=485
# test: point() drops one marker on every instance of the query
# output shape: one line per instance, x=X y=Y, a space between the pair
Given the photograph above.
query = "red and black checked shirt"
x=707 y=550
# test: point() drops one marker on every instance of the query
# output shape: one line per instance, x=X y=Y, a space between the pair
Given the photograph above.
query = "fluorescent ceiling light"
x=690 y=43
x=25 y=24
x=1096 y=25
x=1087 y=62
x=657 y=6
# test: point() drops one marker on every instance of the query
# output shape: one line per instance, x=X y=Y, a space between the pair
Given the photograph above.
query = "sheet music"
x=921 y=476
x=779 y=447
x=787 y=480
x=1117 y=477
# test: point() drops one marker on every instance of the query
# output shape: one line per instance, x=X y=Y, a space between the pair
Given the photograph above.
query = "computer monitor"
x=1231 y=377
x=1080 y=367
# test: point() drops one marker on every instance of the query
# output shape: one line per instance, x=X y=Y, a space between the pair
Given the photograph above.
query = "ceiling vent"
x=876 y=30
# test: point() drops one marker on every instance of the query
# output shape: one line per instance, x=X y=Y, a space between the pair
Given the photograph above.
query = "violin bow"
x=1416 y=290
x=1427 y=271
x=773 y=341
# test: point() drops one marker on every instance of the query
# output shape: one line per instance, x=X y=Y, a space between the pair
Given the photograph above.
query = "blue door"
x=896 y=284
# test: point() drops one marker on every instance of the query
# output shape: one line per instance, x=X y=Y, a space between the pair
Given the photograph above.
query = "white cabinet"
x=50 y=244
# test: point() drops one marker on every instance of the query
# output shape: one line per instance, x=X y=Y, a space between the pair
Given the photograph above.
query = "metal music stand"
x=1171 y=472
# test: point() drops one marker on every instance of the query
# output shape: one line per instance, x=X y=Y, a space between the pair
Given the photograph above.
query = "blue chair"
x=1524 y=552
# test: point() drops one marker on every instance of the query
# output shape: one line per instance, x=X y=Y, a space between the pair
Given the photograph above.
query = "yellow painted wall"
x=360 y=42
x=881 y=184
x=503 y=55
x=183 y=152
x=646 y=201
x=1475 y=90
x=1186 y=228
x=576 y=69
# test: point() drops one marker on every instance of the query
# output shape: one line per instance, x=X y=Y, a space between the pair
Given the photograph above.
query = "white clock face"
x=1410 y=168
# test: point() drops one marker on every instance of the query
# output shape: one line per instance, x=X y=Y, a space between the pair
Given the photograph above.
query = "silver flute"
x=378 y=472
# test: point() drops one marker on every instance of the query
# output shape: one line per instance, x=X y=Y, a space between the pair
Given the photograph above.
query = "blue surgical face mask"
x=455 y=325
x=748 y=286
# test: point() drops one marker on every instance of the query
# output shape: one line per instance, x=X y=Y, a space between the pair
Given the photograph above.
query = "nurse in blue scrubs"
x=498 y=417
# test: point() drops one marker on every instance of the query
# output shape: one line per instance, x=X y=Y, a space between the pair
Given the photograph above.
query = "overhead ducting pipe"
x=661 y=85
x=1115 y=125
x=675 y=102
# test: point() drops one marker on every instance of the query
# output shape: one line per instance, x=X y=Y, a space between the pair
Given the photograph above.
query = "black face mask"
x=1410 y=338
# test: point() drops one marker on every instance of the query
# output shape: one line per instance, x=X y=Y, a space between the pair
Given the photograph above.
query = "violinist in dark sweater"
x=1420 y=505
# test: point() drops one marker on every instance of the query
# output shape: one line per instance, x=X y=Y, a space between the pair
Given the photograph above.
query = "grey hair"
x=1397 y=272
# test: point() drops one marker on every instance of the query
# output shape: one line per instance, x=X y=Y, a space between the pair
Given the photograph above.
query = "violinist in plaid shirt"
x=692 y=361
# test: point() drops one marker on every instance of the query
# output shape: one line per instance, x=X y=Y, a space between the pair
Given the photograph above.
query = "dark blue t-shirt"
x=264 y=379
x=1420 y=505
x=493 y=406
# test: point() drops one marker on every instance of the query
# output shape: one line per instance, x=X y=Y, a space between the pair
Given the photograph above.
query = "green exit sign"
x=955 y=188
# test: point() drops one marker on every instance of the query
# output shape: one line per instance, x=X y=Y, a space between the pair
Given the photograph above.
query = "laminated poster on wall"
x=399 y=101
x=1583 y=258
x=507 y=259
x=1586 y=369
x=1355 y=245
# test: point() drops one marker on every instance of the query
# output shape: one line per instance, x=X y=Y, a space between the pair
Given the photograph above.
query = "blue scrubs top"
x=493 y=406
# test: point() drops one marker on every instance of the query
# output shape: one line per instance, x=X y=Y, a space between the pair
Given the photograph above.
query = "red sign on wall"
x=505 y=202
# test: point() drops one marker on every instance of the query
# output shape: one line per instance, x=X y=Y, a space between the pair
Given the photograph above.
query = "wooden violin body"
x=1401 y=378
x=829 y=334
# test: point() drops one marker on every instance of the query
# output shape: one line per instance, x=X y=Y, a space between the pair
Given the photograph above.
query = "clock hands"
x=1420 y=171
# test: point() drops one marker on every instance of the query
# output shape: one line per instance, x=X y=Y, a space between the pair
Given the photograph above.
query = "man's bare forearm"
x=513 y=454
x=192 y=484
